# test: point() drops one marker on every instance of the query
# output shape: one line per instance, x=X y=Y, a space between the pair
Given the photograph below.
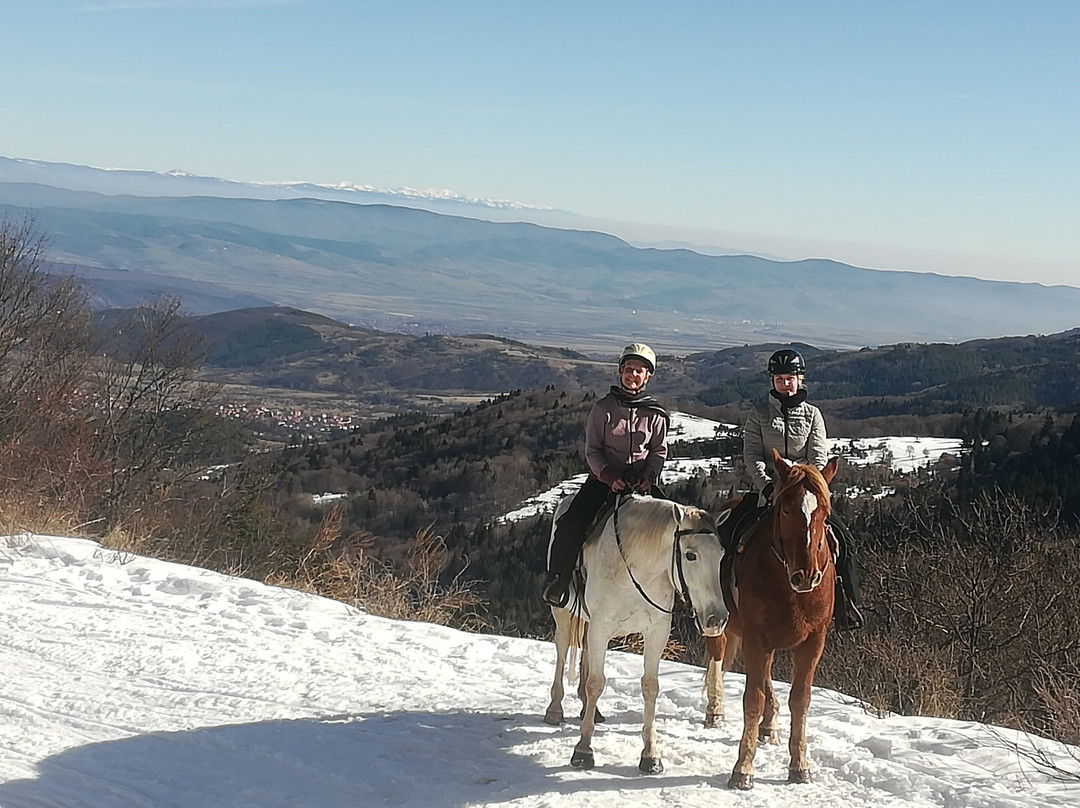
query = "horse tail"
x=577 y=641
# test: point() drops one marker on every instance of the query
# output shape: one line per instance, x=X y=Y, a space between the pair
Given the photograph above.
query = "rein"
x=677 y=576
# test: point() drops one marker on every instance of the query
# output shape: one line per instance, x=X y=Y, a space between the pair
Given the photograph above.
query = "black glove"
x=767 y=491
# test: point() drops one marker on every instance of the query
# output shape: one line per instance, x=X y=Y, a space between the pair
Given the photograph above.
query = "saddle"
x=734 y=540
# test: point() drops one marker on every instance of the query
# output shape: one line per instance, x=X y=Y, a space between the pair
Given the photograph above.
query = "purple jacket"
x=625 y=441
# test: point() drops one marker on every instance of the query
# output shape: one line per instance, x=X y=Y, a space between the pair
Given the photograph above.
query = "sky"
x=910 y=134
x=129 y=681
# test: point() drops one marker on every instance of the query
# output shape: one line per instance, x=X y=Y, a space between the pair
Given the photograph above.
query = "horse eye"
x=691 y=555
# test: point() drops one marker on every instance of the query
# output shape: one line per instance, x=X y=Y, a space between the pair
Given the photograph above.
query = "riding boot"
x=846 y=614
x=557 y=588
x=568 y=538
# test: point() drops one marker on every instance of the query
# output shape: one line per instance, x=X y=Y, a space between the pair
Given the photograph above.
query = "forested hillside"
x=413 y=470
x=291 y=349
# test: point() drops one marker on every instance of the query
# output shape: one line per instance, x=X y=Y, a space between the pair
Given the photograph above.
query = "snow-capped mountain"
x=181 y=183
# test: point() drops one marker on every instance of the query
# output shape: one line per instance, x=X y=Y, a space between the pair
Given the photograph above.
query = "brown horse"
x=782 y=599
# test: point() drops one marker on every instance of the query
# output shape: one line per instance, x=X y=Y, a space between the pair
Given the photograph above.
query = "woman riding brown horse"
x=783 y=599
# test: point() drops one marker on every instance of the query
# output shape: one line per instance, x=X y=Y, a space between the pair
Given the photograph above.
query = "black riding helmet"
x=785 y=362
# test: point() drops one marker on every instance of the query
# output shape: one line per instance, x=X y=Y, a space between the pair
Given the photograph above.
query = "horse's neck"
x=644 y=529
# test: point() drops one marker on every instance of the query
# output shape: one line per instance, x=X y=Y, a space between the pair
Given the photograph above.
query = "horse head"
x=698 y=553
x=801 y=506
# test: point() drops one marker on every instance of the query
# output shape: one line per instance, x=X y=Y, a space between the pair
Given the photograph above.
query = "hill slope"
x=293 y=349
x=202 y=689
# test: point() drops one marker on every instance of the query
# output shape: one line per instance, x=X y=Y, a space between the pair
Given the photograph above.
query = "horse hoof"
x=582 y=760
x=598 y=718
x=553 y=719
x=651 y=765
x=799 y=776
x=743 y=782
x=713 y=720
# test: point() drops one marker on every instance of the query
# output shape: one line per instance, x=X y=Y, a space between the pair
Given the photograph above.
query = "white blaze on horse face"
x=809 y=505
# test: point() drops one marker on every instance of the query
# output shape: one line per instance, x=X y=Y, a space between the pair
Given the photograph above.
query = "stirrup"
x=557 y=592
x=853 y=619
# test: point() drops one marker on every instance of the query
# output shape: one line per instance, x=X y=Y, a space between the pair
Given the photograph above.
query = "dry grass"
x=344 y=571
x=38 y=515
x=635 y=644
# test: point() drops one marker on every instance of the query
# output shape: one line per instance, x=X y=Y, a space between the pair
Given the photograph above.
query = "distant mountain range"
x=396 y=267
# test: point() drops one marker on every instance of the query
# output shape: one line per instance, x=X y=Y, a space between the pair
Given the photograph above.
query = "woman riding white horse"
x=625 y=446
x=647 y=551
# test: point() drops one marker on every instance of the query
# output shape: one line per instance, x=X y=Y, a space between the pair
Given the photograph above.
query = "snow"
x=904 y=454
x=135 y=682
x=686 y=427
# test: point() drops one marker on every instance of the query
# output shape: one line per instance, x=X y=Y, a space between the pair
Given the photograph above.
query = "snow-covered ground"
x=134 y=682
x=903 y=455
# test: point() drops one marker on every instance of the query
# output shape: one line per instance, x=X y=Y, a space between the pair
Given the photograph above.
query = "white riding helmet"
x=639 y=350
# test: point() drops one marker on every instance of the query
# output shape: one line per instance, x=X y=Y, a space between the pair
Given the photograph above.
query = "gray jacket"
x=799 y=436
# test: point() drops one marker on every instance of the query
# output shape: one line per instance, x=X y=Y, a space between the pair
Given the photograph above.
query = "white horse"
x=648 y=551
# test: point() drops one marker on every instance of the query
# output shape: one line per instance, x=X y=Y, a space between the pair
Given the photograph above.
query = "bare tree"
x=43 y=334
x=150 y=409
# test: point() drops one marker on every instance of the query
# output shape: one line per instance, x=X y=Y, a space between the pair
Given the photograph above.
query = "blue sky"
x=933 y=136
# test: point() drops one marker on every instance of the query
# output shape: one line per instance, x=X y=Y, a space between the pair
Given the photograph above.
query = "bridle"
x=678 y=577
x=777 y=544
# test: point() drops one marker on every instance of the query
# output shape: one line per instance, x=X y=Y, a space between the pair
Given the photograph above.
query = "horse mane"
x=643 y=524
x=808 y=476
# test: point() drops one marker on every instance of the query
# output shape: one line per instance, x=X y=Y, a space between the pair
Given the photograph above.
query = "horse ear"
x=782 y=466
x=678 y=513
x=830 y=468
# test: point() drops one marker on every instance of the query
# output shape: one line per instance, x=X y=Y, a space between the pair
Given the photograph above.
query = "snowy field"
x=134 y=682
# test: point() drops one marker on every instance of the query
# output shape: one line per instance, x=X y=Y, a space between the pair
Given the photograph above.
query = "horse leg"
x=756 y=662
x=582 y=677
x=804 y=663
x=715 y=650
x=655 y=638
x=554 y=714
x=769 y=729
x=593 y=655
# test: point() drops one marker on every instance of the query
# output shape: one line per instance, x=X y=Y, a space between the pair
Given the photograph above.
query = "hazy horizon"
x=912 y=135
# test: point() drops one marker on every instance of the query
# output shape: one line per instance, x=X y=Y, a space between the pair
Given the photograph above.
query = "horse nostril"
x=714 y=626
x=796 y=579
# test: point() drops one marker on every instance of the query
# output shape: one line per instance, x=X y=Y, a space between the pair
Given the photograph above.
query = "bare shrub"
x=892 y=674
x=411 y=591
x=1060 y=693
x=635 y=644
x=149 y=412
x=971 y=607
